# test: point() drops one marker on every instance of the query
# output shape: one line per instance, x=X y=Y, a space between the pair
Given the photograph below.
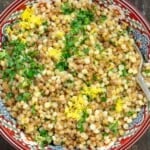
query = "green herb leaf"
x=9 y=95
x=44 y=138
x=114 y=127
x=103 y=18
x=33 y=109
x=122 y=33
x=80 y=123
x=86 y=51
x=45 y=23
x=130 y=113
x=105 y=134
x=147 y=71
x=43 y=132
x=99 y=47
x=62 y=66
x=67 y=8
x=80 y=126
x=84 y=17
x=3 y=54
x=23 y=97
x=8 y=73
x=124 y=73
x=18 y=60
x=66 y=55
x=103 y=99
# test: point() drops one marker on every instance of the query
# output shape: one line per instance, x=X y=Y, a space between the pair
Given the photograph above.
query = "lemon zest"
x=119 y=105
x=55 y=53
x=92 y=91
x=75 y=107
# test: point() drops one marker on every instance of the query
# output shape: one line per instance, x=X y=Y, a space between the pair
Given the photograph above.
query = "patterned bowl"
x=141 y=34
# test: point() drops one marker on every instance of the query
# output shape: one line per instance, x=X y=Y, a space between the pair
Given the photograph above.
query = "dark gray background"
x=144 y=142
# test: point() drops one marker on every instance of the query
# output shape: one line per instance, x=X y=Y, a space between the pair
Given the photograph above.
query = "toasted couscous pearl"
x=92 y=127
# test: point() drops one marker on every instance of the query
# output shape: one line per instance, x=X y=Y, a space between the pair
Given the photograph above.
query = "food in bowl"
x=68 y=73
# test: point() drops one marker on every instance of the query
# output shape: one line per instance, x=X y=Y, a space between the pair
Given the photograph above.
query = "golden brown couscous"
x=68 y=74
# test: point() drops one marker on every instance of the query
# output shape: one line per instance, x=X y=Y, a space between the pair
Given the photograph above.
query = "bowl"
x=141 y=33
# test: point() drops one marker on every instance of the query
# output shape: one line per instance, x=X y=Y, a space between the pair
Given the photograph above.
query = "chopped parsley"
x=86 y=50
x=103 y=99
x=19 y=61
x=99 y=47
x=103 y=18
x=67 y=8
x=33 y=110
x=130 y=113
x=62 y=65
x=123 y=70
x=3 y=55
x=23 y=97
x=9 y=95
x=80 y=123
x=43 y=138
x=114 y=127
x=83 y=17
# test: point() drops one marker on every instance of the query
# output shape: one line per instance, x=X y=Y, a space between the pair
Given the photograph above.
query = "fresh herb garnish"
x=130 y=113
x=18 y=60
x=23 y=97
x=114 y=127
x=33 y=110
x=67 y=8
x=86 y=50
x=9 y=95
x=45 y=23
x=122 y=33
x=80 y=123
x=94 y=78
x=3 y=54
x=83 y=17
x=103 y=99
x=25 y=83
x=43 y=132
x=99 y=47
x=105 y=134
x=123 y=70
x=62 y=65
x=44 y=138
x=103 y=18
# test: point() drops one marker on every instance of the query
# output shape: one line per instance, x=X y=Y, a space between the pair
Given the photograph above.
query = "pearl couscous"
x=68 y=73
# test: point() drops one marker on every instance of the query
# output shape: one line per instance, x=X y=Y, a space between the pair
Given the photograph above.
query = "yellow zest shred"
x=27 y=13
x=29 y=19
x=59 y=34
x=24 y=25
x=92 y=91
x=55 y=53
x=119 y=105
x=36 y=20
x=76 y=105
x=94 y=30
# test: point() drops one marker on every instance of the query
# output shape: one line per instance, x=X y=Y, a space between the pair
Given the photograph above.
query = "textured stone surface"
x=144 y=7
